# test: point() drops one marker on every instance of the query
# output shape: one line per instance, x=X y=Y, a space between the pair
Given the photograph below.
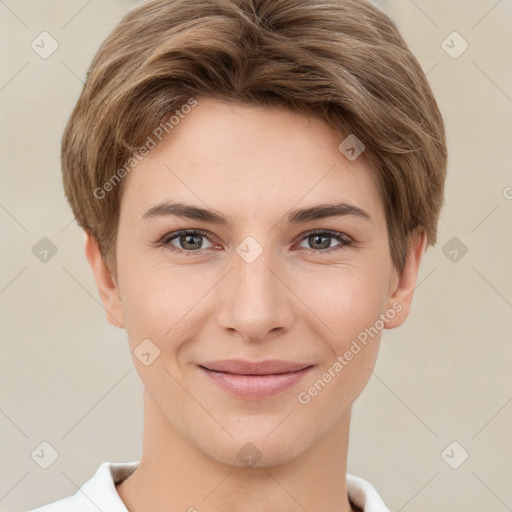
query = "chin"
x=255 y=450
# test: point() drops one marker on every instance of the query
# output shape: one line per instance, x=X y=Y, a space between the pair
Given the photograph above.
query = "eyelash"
x=341 y=237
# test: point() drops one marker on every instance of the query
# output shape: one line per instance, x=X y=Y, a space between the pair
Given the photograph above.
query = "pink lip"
x=255 y=380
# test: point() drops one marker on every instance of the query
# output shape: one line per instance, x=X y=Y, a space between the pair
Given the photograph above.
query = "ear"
x=400 y=299
x=105 y=283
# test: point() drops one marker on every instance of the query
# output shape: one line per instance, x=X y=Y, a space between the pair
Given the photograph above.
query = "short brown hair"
x=342 y=60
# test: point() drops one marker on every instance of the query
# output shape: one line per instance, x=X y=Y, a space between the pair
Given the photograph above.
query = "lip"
x=255 y=380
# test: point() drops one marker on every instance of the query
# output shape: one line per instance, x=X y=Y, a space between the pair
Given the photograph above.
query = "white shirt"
x=99 y=493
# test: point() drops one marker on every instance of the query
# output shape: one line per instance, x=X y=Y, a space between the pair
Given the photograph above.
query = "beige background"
x=66 y=376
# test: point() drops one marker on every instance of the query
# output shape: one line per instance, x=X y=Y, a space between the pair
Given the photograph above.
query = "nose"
x=256 y=303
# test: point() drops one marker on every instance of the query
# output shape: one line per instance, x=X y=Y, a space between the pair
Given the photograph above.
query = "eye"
x=321 y=241
x=190 y=241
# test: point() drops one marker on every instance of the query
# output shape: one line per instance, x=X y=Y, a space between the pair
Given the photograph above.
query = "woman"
x=257 y=181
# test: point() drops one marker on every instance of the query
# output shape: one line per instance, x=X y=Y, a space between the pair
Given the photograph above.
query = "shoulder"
x=98 y=493
x=78 y=502
x=362 y=494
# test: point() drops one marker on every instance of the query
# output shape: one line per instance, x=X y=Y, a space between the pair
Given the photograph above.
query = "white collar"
x=99 y=493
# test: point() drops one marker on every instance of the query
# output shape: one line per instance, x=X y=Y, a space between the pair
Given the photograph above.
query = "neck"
x=174 y=475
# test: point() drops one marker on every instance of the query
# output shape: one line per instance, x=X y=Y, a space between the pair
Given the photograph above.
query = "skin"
x=253 y=165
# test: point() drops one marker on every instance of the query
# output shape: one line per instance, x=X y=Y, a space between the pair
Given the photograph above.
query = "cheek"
x=345 y=300
x=346 y=306
x=161 y=301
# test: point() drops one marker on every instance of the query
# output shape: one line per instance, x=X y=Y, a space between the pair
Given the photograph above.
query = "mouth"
x=255 y=380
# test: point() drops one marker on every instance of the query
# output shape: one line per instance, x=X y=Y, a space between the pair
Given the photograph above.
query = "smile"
x=255 y=380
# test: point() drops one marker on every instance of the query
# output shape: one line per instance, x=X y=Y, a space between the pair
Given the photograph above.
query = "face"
x=255 y=279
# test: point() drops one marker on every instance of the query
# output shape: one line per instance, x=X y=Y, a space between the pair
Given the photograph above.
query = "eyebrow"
x=298 y=216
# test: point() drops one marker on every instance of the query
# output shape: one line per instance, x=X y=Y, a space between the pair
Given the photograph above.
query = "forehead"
x=236 y=158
